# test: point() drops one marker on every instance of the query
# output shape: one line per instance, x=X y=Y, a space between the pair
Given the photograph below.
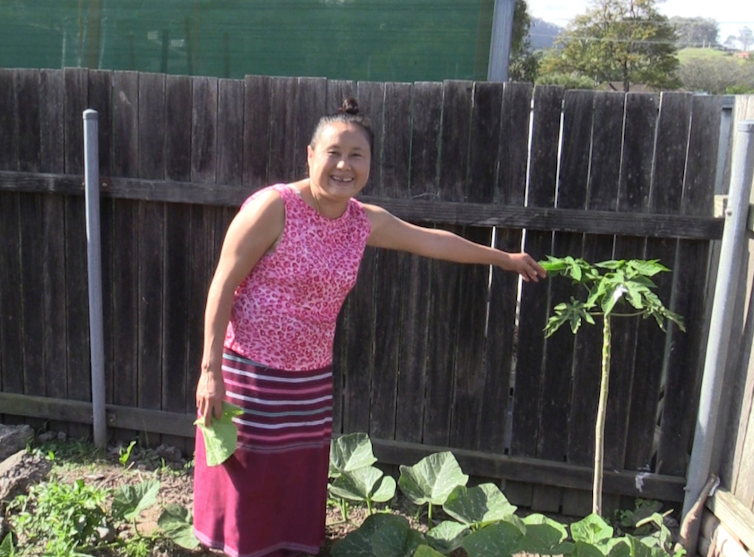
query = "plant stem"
x=599 y=430
x=429 y=515
x=369 y=507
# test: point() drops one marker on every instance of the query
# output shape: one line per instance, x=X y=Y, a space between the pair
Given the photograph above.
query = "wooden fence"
x=428 y=354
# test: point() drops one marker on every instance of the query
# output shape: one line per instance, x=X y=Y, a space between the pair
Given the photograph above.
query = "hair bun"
x=350 y=106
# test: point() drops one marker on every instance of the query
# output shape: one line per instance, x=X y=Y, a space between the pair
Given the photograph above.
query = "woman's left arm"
x=390 y=232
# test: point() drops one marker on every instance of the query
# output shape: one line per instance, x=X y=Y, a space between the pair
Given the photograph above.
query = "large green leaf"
x=350 y=452
x=129 y=501
x=544 y=536
x=447 y=536
x=176 y=521
x=496 y=540
x=381 y=535
x=221 y=437
x=364 y=484
x=432 y=479
x=591 y=529
x=426 y=551
x=478 y=505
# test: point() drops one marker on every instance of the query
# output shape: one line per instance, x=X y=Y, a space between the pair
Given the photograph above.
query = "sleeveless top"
x=284 y=313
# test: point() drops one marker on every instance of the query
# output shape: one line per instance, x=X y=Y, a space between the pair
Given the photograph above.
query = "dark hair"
x=348 y=114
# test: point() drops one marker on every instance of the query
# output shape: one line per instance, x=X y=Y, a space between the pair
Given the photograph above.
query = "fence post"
x=502 y=35
x=94 y=267
x=734 y=237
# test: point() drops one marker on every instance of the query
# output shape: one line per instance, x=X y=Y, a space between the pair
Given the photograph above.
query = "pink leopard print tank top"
x=284 y=312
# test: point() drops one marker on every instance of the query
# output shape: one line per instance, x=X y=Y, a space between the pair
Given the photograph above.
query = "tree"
x=745 y=37
x=613 y=289
x=695 y=31
x=523 y=64
x=719 y=76
x=623 y=42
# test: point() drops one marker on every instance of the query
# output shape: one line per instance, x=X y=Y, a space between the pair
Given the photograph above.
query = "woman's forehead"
x=337 y=133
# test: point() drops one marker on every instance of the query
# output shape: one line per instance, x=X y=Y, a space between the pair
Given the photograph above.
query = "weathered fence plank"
x=445 y=277
x=513 y=142
x=311 y=98
x=687 y=354
x=256 y=132
x=390 y=267
x=125 y=240
x=528 y=398
x=667 y=184
x=77 y=298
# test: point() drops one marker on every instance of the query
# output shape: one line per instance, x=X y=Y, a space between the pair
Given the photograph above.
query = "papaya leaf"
x=129 y=501
x=496 y=540
x=221 y=437
x=350 y=452
x=432 y=479
x=647 y=268
x=447 y=536
x=611 y=264
x=478 y=505
x=177 y=523
x=591 y=529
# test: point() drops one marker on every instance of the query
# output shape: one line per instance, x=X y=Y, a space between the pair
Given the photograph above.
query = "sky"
x=731 y=15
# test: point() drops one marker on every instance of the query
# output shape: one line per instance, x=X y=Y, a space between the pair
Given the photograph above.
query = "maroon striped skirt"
x=269 y=498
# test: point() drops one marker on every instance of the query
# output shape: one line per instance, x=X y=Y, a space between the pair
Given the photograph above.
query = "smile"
x=341 y=179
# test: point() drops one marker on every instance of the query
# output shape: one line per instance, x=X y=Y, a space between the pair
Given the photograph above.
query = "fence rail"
x=428 y=353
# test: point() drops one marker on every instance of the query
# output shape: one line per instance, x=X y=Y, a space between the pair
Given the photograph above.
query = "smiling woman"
x=288 y=261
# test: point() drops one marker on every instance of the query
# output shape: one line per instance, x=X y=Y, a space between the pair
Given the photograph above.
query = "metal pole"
x=94 y=267
x=502 y=36
x=734 y=238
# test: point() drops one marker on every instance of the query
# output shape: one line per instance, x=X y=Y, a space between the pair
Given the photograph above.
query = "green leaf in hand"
x=221 y=437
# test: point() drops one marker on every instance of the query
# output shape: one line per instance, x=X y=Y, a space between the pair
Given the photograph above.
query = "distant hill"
x=542 y=34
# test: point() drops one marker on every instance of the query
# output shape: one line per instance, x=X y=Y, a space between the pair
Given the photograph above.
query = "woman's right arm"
x=250 y=235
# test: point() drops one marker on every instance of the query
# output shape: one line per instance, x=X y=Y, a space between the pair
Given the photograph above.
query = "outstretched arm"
x=390 y=232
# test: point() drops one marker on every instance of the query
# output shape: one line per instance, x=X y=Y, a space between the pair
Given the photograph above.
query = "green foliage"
x=63 y=518
x=221 y=437
x=431 y=480
x=6 y=547
x=129 y=501
x=178 y=524
x=495 y=540
x=618 y=43
x=60 y=520
x=350 y=452
x=124 y=454
x=381 y=535
x=611 y=286
x=355 y=478
x=478 y=506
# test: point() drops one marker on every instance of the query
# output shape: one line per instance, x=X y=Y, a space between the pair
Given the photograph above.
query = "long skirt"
x=269 y=499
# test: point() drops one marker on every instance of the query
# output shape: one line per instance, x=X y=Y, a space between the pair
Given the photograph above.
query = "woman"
x=289 y=259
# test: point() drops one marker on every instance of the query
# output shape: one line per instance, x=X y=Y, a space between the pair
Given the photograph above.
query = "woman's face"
x=339 y=162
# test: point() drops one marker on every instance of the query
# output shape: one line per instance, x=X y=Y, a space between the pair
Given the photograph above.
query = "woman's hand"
x=524 y=265
x=210 y=393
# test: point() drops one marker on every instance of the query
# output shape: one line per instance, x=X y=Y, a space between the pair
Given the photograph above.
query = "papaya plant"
x=615 y=288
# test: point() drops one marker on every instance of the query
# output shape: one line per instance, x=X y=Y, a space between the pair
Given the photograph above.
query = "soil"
x=75 y=460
